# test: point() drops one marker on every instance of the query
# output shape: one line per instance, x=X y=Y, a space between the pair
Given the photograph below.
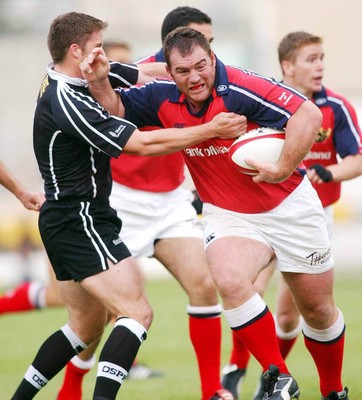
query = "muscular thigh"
x=120 y=290
x=185 y=258
x=235 y=263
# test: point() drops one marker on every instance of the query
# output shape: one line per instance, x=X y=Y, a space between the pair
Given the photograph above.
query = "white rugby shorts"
x=296 y=230
x=149 y=216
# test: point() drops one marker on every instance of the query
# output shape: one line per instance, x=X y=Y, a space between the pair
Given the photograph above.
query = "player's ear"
x=287 y=68
x=75 y=50
x=168 y=71
x=213 y=58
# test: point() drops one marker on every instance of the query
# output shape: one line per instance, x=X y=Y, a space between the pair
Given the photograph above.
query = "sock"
x=240 y=355
x=286 y=340
x=52 y=356
x=27 y=296
x=117 y=356
x=254 y=325
x=205 y=335
x=73 y=378
x=327 y=348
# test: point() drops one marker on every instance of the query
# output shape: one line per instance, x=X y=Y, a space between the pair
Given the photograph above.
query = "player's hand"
x=31 y=200
x=268 y=172
x=319 y=174
x=95 y=67
x=229 y=125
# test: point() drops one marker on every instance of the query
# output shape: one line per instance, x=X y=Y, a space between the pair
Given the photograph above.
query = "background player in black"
x=74 y=137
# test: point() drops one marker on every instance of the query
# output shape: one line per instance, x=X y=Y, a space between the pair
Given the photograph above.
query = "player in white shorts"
x=163 y=215
x=283 y=229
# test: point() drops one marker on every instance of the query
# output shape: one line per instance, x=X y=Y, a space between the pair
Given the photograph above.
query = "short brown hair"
x=184 y=40
x=71 y=28
x=294 y=41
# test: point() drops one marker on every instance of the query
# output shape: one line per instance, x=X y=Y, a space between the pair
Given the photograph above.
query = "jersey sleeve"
x=347 y=133
x=142 y=105
x=123 y=75
x=263 y=100
x=80 y=116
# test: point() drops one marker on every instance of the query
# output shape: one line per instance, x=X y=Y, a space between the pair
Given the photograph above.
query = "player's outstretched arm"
x=30 y=200
x=165 y=141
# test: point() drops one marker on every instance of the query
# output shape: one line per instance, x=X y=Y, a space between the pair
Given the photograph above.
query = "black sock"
x=51 y=358
x=116 y=359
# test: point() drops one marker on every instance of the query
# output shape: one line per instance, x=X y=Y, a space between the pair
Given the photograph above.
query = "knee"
x=287 y=320
x=202 y=292
x=319 y=315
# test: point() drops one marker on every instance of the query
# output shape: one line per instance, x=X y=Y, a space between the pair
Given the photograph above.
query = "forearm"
x=106 y=96
x=350 y=167
x=301 y=131
x=8 y=180
x=166 y=141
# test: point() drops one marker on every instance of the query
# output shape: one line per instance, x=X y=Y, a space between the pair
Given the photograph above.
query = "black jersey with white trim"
x=74 y=138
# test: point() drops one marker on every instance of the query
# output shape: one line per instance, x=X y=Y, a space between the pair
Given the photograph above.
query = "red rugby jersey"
x=264 y=101
x=339 y=134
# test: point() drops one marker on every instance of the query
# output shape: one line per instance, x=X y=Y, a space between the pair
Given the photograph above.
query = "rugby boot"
x=279 y=386
x=231 y=378
x=337 y=395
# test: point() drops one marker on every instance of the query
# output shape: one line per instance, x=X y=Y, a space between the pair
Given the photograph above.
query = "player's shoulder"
x=328 y=96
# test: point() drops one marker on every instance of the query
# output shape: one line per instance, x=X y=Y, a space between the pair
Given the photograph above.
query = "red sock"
x=328 y=357
x=240 y=355
x=16 y=300
x=72 y=383
x=285 y=345
x=205 y=334
x=260 y=338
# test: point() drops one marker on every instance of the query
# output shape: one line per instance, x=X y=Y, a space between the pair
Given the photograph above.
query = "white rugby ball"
x=260 y=144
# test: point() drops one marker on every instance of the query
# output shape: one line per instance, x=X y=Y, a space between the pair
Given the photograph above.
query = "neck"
x=68 y=70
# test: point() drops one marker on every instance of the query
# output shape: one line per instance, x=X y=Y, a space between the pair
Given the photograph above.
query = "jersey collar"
x=65 y=78
x=320 y=98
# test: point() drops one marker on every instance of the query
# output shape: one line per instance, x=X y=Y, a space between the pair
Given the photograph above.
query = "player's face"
x=94 y=40
x=194 y=75
x=306 y=72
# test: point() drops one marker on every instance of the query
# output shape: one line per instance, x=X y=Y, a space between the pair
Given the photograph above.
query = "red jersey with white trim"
x=151 y=174
x=264 y=101
x=339 y=134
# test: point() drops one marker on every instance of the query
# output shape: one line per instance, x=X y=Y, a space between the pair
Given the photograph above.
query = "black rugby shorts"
x=80 y=236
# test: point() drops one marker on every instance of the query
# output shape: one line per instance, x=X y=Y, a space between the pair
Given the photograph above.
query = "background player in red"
x=247 y=219
x=335 y=157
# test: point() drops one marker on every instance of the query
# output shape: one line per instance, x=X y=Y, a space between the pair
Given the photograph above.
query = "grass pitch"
x=168 y=348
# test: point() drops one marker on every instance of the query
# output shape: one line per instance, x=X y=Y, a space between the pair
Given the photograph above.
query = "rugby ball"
x=260 y=144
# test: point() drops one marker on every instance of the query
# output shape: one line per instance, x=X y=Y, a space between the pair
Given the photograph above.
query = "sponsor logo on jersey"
x=317 y=258
x=318 y=155
x=221 y=88
x=284 y=98
x=323 y=134
x=118 y=131
x=43 y=86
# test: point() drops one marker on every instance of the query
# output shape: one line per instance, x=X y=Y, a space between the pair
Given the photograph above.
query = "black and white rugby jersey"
x=74 y=137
